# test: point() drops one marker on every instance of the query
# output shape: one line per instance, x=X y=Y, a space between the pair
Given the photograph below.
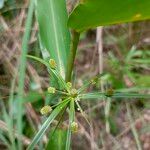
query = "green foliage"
x=72 y=96
x=46 y=124
x=54 y=72
x=93 y=13
x=133 y=60
x=57 y=140
x=54 y=34
x=54 y=38
x=22 y=69
x=71 y=119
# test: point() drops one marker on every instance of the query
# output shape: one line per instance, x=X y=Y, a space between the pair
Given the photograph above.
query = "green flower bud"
x=74 y=127
x=69 y=84
x=45 y=110
x=51 y=90
x=73 y=93
x=52 y=63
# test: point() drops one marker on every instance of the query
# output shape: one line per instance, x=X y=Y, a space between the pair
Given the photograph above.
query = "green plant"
x=55 y=39
x=133 y=60
x=58 y=39
x=70 y=97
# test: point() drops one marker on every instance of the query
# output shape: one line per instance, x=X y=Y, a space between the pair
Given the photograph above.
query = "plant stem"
x=73 y=49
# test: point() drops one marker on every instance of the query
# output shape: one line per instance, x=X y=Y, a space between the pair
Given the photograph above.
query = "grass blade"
x=54 y=34
x=22 y=68
x=61 y=81
x=94 y=95
x=71 y=119
x=46 y=124
x=134 y=131
x=100 y=95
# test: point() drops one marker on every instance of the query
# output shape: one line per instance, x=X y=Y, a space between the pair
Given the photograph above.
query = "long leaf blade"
x=46 y=124
x=93 y=13
x=100 y=95
x=22 y=68
x=71 y=119
x=54 y=34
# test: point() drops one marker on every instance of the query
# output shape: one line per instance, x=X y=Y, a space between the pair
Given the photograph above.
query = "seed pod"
x=45 y=110
x=51 y=90
x=74 y=127
x=52 y=63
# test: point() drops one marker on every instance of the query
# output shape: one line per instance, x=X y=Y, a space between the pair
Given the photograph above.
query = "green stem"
x=73 y=49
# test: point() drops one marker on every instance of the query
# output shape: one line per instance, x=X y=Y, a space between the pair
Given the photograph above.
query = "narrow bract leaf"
x=93 y=13
x=71 y=119
x=22 y=70
x=57 y=140
x=100 y=95
x=45 y=125
x=54 y=34
x=54 y=72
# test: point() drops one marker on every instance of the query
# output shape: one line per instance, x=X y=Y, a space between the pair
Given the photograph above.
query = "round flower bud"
x=51 y=90
x=74 y=127
x=52 y=63
x=73 y=92
x=69 y=84
x=45 y=110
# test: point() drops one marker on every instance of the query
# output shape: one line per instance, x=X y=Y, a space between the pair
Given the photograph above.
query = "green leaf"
x=57 y=140
x=93 y=13
x=71 y=119
x=94 y=95
x=100 y=95
x=46 y=124
x=55 y=73
x=143 y=80
x=33 y=96
x=54 y=34
x=22 y=70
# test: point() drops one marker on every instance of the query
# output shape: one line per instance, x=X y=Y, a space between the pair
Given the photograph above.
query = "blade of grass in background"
x=133 y=128
x=22 y=69
x=10 y=115
x=93 y=13
x=54 y=34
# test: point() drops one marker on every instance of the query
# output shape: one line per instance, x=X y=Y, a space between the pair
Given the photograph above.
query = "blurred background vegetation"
x=126 y=62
